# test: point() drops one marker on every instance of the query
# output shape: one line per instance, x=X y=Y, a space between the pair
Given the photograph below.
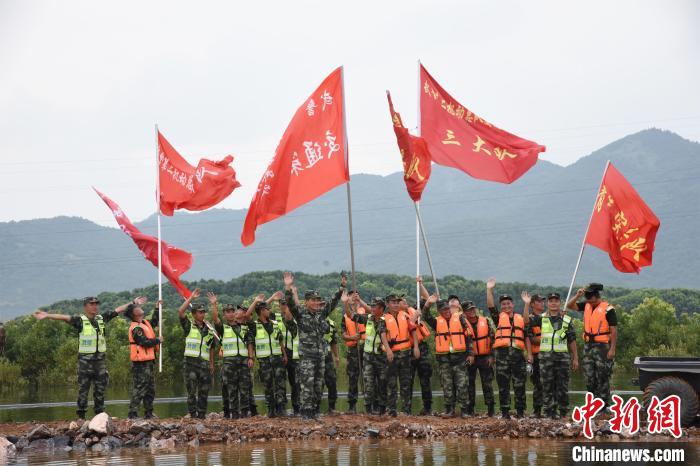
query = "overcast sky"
x=83 y=83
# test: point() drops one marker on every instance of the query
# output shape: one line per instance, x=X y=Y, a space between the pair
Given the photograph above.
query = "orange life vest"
x=535 y=340
x=422 y=330
x=140 y=353
x=450 y=337
x=353 y=328
x=595 y=323
x=481 y=342
x=398 y=331
x=508 y=334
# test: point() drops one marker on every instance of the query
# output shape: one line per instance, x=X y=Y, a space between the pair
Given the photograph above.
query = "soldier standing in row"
x=92 y=348
x=291 y=343
x=533 y=332
x=354 y=336
x=510 y=351
x=200 y=338
x=482 y=348
x=600 y=336
x=143 y=345
x=557 y=342
x=271 y=356
x=330 y=376
x=312 y=325
x=422 y=367
x=403 y=348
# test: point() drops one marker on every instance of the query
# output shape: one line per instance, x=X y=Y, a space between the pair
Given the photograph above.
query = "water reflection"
x=357 y=453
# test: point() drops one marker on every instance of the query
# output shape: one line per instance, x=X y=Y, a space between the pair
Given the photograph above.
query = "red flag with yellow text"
x=183 y=186
x=175 y=261
x=310 y=159
x=622 y=224
x=460 y=139
x=414 y=155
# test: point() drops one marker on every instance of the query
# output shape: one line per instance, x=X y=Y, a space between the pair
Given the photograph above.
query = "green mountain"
x=529 y=231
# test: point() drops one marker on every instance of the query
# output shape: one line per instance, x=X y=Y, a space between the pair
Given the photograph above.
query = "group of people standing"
x=387 y=347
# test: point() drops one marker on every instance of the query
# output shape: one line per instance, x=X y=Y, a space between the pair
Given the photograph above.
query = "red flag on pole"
x=175 y=261
x=183 y=186
x=460 y=139
x=622 y=224
x=310 y=160
x=414 y=154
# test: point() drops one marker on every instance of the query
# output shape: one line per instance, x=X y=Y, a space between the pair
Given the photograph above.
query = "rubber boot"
x=491 y=411
x=427 y=409
x=505 y=414
x=352 y=409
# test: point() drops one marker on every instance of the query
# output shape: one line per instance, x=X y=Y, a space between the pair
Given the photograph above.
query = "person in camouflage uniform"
x=374 y=368
x=482 y=346
x=312 y=326
x=92 y=348
x=403 y=347
x=557 y=343
x=238 y=353
x=453 y=352
x=533 y=337
x=200 y=339
x=271 y=356
x=600 y=337
x=332 y=360
x=354 y=337
x=142 y=342
x=422 y=367
x=291 y=343
x=510 y=349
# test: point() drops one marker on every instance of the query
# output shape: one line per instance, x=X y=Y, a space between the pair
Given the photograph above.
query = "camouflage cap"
x=442 y=304
x=453 y=296
x=505 y=297
x=198 y=307
x=594 y=288
x=311 y=294
x=553 y=296
x=229 y=307
x=466 y=305
x=393 y=297
x=377 y=301
x=536 y=297
x=91 y=300
x=262 y=305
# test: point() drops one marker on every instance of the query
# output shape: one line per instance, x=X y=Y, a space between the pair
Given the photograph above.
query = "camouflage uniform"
x=196 y=370
x=510 y=366
x=424 y=369
x=353 y=367
x=597 y=368
x=533 y=334
x=312 y=327
x=400 y=368
x=482 y=363
x=92 y=368
x=329 y=373
x=236 y=380
x=143 y=373
x=291 y=340
x=272 y=372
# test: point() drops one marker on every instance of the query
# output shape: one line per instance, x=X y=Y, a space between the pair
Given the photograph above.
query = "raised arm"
x=258 y=299
x=41 y=315
x=276 y=296
x=490 y=284
x=290 y=293
x=183 y=307
x=423 y=291
x=139 y=301
x=573 y=302
x=214 y=306
x=336 y=297
x=527 y=299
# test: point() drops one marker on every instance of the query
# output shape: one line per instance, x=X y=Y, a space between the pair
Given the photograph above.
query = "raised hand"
x=196 y=293
x=140 y=300
x=432 y=299
x=288 y=279
x=491 y=283
x=40 y=315
x=344 y=298
x=259 y=298
x=212 y=297
x=526 y=297
x=277 y=295
x=419 y=279
x=580 y=292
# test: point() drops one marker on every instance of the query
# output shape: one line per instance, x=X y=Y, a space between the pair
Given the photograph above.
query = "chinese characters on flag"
x=174 y=262
x=622 y=224
x=183 y=186
x=414 y=154
x=460 y=139
x=310 y=159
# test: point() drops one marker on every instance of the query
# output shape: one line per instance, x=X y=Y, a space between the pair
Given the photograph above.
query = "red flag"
x=460 y=139
x=622 y=224
x=309 y=160
x=175 y=261
x=414 y=154
x=183 y=186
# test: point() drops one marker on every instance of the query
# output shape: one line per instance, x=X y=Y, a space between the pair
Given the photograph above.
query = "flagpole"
x=347 y=185
x=583 y=243
x=427 y=248
x=160 y=259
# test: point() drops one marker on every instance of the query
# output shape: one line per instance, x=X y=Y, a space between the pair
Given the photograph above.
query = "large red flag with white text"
x=622 y=224
x=414 y=155
x=310 y=159
x=183 y=186
x=174 y=262
x=460 y=139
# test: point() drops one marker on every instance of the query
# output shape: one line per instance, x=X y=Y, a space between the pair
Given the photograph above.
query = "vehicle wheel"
x=666 y=386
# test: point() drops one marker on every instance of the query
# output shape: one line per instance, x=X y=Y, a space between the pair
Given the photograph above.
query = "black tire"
x=666 y=386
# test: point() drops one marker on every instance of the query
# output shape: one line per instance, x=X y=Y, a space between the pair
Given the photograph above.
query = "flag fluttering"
x=460 y=139
x=183 y=186
x=310 y=159
x=622 y=224
x=414 y=155
x=175 y=261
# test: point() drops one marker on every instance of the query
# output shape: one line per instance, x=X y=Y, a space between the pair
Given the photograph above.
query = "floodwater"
x=398 y=453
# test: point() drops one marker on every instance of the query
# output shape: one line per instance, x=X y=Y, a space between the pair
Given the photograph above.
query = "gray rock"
x=373 y=432
x=12 y=438
x=193 y=443
x=39 y=432
x=79 y=446
x=22 y=443
x=102 y=424
x=156 y=434
x=84 y=427
x=158 y=444
x=98 y=447
x=201 y=429
x=142 y=426
x=112 y=442
x=67 y=448
x=534 y=434
x=42 y=444
x=332 y=432
x=61 y=441
x=7 y=449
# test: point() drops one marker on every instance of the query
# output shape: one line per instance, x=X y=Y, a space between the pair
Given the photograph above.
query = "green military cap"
x=378 y=302
x=466 y=305
x=505 y=297
x=393 y=297
x=229 y=307
x=594 y=288
x=311 y=294
x=261 y=305
x=553 y=296
x=91 y=300
x=453 y=296
x=198 y=307
x=442 y=304
x=536 y=297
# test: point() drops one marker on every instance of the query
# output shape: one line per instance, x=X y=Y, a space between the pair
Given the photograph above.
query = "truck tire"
x=666 y=386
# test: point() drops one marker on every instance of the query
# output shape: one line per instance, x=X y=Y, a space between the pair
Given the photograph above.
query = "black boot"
x=449 y=411
x=331 y=408
x=392 y=413
x=281 y=411
x=351 y=409
x=272 y=411
x=520 y=414
x=381 y=410
x=505 y=414
x=470 y=410
x=537 y=414
x=427 y=409
x=490 y=411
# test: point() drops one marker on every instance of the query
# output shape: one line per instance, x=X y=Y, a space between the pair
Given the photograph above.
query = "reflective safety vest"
x=536 y=338
x=328 y=336
x=510 y=332
x=398 y=332
x=291 y=342
x=481 y=342
x=141 y=353
x=450 y=337
x=233 y=344
x=91 y=340
x=267 y=344
x=554 y=340
x=595 y=323
x=373 y=343
x=422 y=330
x=352 y=328
x=196 y=344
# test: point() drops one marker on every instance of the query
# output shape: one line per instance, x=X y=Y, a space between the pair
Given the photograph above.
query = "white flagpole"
x=417 y=222
x=427 y=249
x=347 y=165
x=583 y=243
x=160 y=259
